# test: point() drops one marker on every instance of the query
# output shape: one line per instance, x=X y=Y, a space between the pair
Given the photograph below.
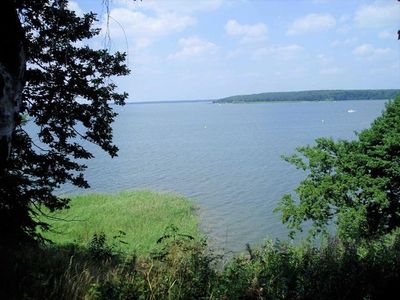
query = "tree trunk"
x=12 y=67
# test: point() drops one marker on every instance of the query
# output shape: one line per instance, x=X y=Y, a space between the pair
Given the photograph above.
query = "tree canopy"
x=353 y=184
x=67 y=93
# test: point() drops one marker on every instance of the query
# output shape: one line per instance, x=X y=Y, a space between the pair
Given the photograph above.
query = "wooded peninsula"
x=315 y=95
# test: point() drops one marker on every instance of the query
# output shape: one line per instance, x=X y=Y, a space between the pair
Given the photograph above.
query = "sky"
x=209 y=49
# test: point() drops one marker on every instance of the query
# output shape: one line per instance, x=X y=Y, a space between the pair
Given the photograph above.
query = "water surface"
x=226 y=157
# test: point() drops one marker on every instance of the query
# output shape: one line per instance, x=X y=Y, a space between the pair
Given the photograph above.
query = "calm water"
x=225 y=157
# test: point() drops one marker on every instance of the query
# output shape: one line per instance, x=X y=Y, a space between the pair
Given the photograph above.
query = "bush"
x=181 y=269
x=184 y=268
x=336 y=270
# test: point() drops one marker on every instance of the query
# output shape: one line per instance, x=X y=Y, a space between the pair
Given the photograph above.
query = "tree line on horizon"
x=314 y=95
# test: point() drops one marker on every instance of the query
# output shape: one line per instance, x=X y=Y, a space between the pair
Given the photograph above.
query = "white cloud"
x=336 y=43
x=72 y=5
x=142 y=28
x=142 y=42
x=345 y=42
x=386 y=34
x=379 y=14
x=173 y=6
x=369 y=52
x=193 y=46
x=283 y=52
x=330 y=71
x=344 y=29
x=247 y=33
x=344 y=18
x=311 y=23
x=343 y=24
x=144 y=59
x=327 y=65
x=139 y=24
x=323 y=59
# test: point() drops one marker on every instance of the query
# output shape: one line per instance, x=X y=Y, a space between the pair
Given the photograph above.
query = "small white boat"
x=350 y=110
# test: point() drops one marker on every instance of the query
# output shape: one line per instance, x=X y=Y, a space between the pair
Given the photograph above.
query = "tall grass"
x=178 y=263
x=184 y=269
x=137 y=219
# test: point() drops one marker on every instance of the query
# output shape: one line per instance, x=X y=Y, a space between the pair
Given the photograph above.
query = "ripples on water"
x=225 y=157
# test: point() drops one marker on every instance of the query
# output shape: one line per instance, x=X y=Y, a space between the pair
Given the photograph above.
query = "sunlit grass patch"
x=137 y=218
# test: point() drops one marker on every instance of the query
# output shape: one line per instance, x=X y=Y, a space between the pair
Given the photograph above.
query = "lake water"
x=225 y=157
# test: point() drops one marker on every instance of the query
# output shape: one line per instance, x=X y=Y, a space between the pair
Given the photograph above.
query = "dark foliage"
x=67 y=92
x=186 y=270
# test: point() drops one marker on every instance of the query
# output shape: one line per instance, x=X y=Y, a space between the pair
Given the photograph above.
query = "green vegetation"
x=184 y=269
x=335 y=270
x=137 y=217
x=354 y=184
x=321 y=95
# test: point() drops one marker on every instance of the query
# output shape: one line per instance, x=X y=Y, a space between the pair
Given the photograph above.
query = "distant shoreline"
x=294 y=96
x=245 y=102
x=171 y=102
x=313 y=96
x=296 y=101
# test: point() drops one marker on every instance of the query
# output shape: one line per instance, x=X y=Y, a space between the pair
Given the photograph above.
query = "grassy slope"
x=142 y=215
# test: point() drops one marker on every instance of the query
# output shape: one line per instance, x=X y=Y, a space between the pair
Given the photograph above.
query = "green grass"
x=142 y=215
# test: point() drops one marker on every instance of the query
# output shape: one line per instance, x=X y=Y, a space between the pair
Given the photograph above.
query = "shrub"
x=184 y=268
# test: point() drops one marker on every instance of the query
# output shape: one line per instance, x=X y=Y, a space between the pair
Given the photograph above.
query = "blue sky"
x=207 y=49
